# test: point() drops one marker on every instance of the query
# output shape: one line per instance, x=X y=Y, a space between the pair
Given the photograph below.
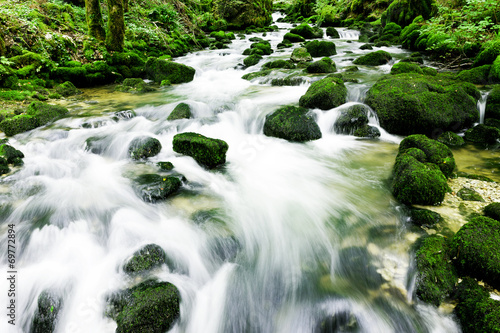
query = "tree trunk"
x=116 y=26
x=94 y=19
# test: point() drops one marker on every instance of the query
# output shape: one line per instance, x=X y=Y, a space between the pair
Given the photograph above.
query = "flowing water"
x=282 y=236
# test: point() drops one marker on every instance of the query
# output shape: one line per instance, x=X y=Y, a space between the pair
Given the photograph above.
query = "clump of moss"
x=153 y=188
x=293 y=124
x=144 y=147
x=325 y=65
x=252 y=60
x=286 y=64
x=145 y=259
x=206 y=151
x=436 y=276
x=493 y=210
x=325 y=94
x=134 y=85
x=469 y=194
x=376 y=58
x=424 y=217
x=293 y=38
x=67 y=89
x=181 y=111
x=451 y=139
x=300 y=54
x=306 y=31
x=159 y=70
x=483 y=134
x=321 y=48
x=350 y=120
x=165 y=166
x=406 y=67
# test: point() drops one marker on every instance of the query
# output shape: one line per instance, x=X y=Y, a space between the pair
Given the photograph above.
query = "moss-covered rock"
x=494 y=75
x=342 y=321
x=153 y=188
x=317 y=48
x=356 y=116
x=451 y=139
x=134 y=85
x=476 y=311
x=150 y=306
x=482 y=134
x=413 y=103
x=159 y=70
x=435 y=152
x=406 y=67
x=37 y=114
x=181 y=111
x=390 y=33
x=4 y=166
x=436 y=276
x=46 y=314
x=286 y=64
x=332 y=32
x=252 y=60
x=491 y=122
x=403 y=12
x=475 y=247
x=293 y=124
x=165 y=166
x=376 y=58
x=325 y=94
x=478 y=75
x=488 y=54
x=206 y=151
x=493 y=211
x=144 y=147
x=366 y=47
x=293 y=38
x=67 y=89
x=325 y=65
x=300 y=54
x=424 y=217
x=145 y=259
x=241 y=14
x=306 y=31
x=418 y=183
x=11 y=154
x=367 y=131
x=469 y=194
x=493 y=104
x=290 y=80
x=261 y=47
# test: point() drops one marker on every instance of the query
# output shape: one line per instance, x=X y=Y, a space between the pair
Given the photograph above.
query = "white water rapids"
x=289 y=233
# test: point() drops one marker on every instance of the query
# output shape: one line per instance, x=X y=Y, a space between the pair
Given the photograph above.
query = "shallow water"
x=282 y=236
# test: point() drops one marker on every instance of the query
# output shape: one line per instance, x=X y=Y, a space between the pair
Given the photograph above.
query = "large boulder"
x=144 y=147
x=159 y=70
x=483 y=134
x=436 y=275
x=451 y=139
x=475 y=247
x=47 y=312
x=325 y=94
x=306 y=31
x=317 y=48
x=493 y=104
x=332 y=32
x=37 y=114
x=325 y=65
x=493 y=211
x=403 y=12
x=412 y=103
x=206 y=151
x=145 y=259
x=153 y=188
x=476 y=310
x=241 y=14
x=376 y=58
x=292 y=123
x=150 y=306
x=355 y=117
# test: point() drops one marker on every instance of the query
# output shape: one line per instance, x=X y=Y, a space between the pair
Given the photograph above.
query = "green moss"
x=148 y=307
x=300 y=54
x=4 y=166
x=469 y=194
x=367 y=131
x=321 y=48
x=356 y=116
x=376 y=58
x=325 y=65
x=424 y=217
x=483 y=134
x=477 y=75
x=144 y=147
x=493 y=210
x=159 y=70
x=403 y=12
x=181 y=111
x=413 y=103
x=279 y=64
x=145 y=259
x=153 y=188
x=494 y=75
x=239 y=15
x=332 y=32
x=476 y=311
x=206 y=151
x=306 y=31
x=290 y=80
x=293 y=124
x=406 y=67
x=16 y=95
x=436 y=275
x=67 y=89
x=46 y=314
x=253 y=75
x=325 y=94
x=435 y=152
x=252 y=60
x=293 y=38
x=475 y=247
x=474 y=176
x=165 y=166
x=493 y=103
x=11 y=154
x=489 y=54
x=451 y=139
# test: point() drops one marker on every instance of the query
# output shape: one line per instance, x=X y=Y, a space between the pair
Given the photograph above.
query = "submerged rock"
x=325 y=94
x=293 y=124
x=145 y=259
x=469 y=194
x=206 y=151
x=355 y=117
x=152 y=187
x=343 y=321
x=300 y=54
x=436 y=275
x=181 y=111
x=424 y=217
x=367 y=131
x=483 y=134
x=475 y=247
x=144 y=147
x=150 y=306
x=46 y=313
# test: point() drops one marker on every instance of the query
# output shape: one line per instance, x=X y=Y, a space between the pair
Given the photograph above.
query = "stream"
x=281 y=237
